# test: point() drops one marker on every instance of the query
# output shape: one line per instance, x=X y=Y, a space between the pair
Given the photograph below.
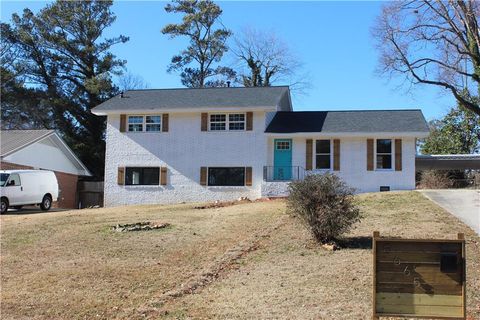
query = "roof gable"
x=277 y=98
x=367 y=121
x=14 y=141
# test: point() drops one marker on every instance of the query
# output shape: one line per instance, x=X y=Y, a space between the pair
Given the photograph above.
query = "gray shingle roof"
x=348 y=121
x=12 y=140
x=238 y=97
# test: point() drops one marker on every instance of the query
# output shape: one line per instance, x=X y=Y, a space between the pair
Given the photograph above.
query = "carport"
x=448 y=162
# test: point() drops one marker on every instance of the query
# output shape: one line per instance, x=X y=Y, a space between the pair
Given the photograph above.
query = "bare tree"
x=130 y=81
x=264 y=60
x=433 y=42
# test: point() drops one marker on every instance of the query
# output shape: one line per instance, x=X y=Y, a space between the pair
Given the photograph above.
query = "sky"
x=331 y=39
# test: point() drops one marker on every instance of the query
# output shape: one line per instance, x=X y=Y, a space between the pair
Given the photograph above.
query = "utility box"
x=419 y=278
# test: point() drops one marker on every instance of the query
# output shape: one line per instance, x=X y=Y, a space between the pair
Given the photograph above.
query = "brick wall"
x=67 y=183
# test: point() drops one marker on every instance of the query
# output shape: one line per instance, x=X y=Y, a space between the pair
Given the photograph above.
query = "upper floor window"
x=322 y=151
x=227 y=122
x=384 y=154
x=148 y=123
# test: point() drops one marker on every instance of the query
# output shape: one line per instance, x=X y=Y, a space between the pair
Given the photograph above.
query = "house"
x=43 y=149
x=184 y=145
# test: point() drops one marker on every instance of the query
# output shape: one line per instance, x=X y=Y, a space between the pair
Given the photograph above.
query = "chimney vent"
x=228 y=84
x=121 y=94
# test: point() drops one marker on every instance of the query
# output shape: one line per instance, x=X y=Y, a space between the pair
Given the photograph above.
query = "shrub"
x=325 y=204
x=435 y=179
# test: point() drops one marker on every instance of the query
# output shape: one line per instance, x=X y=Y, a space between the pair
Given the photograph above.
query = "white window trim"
x=315 y=155
x=392 y=152
x=227 y=121
x=144 y=123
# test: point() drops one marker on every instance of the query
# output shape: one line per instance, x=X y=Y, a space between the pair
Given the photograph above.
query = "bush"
x=435 y=179
x=325 y=204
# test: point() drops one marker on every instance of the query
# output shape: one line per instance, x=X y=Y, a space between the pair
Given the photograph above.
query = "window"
x=234 y=176
x=230 y=122
x=384 y=154
x=236 y=121
x=282 y=145
x=142 y=176
x=218 y=122
x=135 y=123
x=14 y=180
x=322 y=150
x=151 y=123
x=3 y=179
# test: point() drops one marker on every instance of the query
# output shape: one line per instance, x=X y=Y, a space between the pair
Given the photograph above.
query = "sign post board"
x=419 y=278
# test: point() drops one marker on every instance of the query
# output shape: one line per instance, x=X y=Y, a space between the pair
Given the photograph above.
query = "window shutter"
x=163 y=176
x=336 y=154
x=165 y=122
x=248 y=176
x=121 y=176
x=204 y=126
x=203 y=176
x=123 y=122
x=309 y=154
x=249 y=121
x=398 y=154
x=369 y=154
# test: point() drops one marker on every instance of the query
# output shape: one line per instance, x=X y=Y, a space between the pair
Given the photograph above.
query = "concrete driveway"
x=464 y=204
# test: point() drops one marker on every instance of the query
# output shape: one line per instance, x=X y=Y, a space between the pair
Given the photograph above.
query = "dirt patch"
x=222 y=204
x=140 y=226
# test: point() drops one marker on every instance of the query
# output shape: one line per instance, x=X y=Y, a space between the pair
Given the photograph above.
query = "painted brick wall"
x=67 y=184
x=353 y=164
x=183 y=150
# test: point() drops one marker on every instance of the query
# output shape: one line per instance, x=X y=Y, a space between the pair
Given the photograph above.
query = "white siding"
x=43 y=154
x=184 y=149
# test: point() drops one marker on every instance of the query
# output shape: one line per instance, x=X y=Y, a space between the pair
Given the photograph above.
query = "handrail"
x=283 y=173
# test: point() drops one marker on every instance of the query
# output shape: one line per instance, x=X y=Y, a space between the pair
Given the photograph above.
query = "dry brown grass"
x=69 y=265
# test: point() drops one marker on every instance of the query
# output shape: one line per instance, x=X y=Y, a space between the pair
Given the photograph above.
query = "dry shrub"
x=325 y=204
x=435 y=179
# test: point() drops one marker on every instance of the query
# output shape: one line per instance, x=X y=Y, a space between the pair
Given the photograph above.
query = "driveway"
x=464 y=204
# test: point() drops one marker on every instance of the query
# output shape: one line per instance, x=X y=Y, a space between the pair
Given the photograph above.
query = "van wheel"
x=4 y=205
x=46 y=203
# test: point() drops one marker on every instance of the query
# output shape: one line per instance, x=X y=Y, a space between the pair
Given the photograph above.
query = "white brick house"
x=188 y=145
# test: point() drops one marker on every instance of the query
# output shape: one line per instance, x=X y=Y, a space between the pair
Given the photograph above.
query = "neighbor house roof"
x=13 y=141
x=186 y=98
x=447 y=161
x=358 y=121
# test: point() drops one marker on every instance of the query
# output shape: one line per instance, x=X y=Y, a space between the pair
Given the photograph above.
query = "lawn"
x=243 y=261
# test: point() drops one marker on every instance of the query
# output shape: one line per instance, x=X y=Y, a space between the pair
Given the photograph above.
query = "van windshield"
x=3 y=179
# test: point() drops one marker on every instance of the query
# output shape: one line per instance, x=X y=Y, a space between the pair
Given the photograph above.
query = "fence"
x=90 y=194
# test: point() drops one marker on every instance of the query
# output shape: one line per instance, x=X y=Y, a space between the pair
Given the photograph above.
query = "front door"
x=282 y=159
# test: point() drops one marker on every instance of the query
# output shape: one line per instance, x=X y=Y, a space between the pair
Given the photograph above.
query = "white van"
x=27 y=187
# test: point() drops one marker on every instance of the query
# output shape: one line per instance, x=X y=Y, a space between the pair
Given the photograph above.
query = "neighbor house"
x=43 y=149
x=183 y=145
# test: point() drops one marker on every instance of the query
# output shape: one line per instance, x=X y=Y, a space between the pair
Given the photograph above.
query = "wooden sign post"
x=419 y=278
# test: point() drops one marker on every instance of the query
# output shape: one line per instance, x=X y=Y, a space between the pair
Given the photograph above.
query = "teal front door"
x=282 y=159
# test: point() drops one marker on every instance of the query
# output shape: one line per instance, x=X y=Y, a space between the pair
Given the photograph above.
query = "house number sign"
x=422 y=278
